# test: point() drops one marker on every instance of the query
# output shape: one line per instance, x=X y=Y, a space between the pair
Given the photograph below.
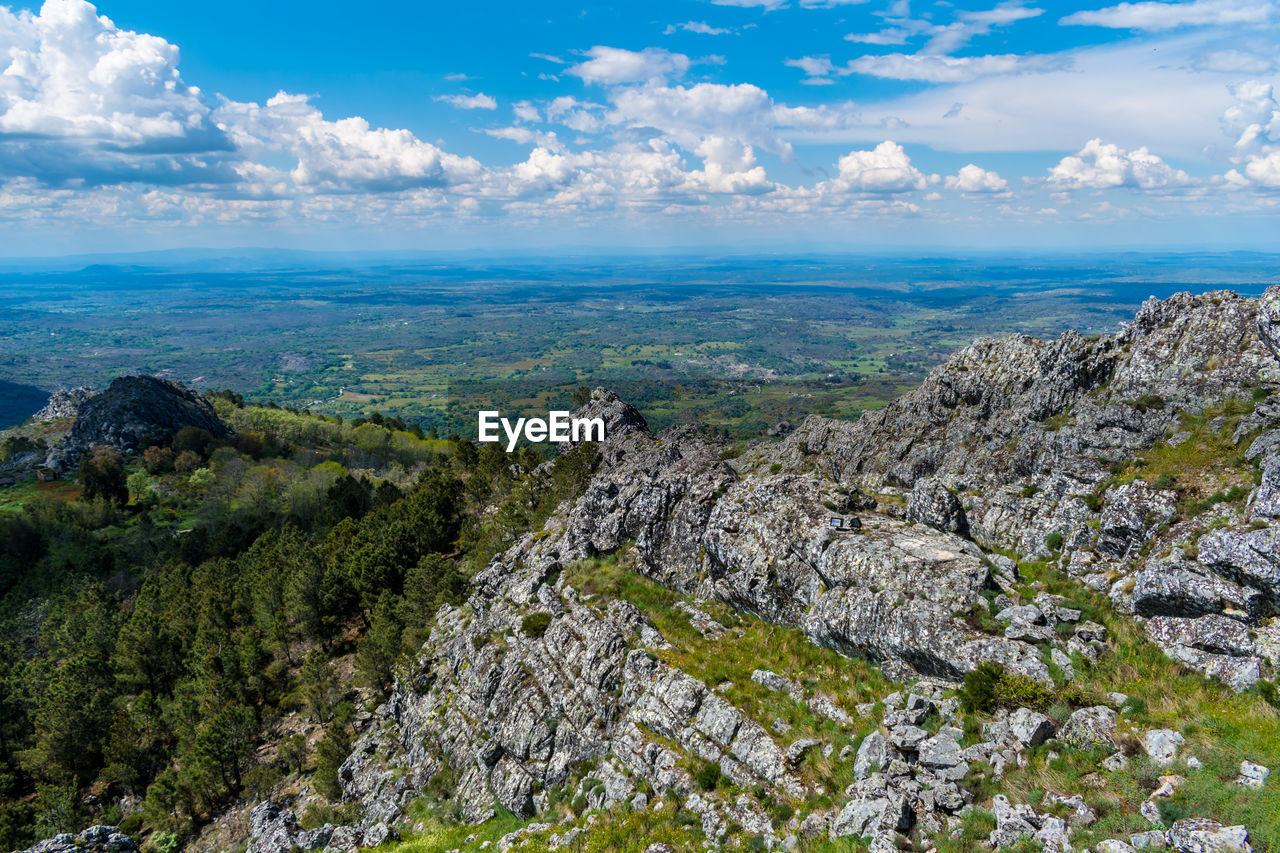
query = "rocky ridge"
x=1005 y=447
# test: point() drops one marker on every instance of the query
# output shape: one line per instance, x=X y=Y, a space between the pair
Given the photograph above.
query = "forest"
x=156 y=629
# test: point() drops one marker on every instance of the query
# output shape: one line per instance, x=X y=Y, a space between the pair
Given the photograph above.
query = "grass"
x=1206 y=469
x=1221 y=728
x=13 y=498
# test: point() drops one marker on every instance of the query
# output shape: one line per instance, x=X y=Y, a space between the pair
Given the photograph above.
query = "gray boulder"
x=1030 y=728
x=931 y=503
x=1088 y=727
x=1200 y=835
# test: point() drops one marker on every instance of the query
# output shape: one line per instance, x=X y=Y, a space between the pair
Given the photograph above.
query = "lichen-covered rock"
x=1132 y=512
x=1030 y=728
x=95 y=839
x=1089 y=727
x=1269 y=319
x=1212 y=633
x=1162 y=745
x=1200 y=835
x=64 y=403
x=932 y=503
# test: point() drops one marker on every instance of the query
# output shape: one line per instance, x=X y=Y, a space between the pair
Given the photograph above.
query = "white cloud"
x=767 y=5
x=341 y=156
x=699 y=27
x=81 y=99
x=525 y=111
x=816 y=68
x=690 y=114
x=613 y=65
x=548 y=58
x=1153 y=16
x=1102 y=165
x=970 y=24
x=1232 y=61
x=479 y=101
x=975 y=179
x=1264 y=170
x=892 y=35
x=885 y=169
x=1254 y=121
x=944 y=69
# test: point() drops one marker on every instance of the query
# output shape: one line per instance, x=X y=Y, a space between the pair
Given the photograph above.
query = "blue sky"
x=779 y=125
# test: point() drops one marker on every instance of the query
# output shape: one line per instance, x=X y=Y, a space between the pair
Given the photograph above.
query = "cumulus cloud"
x=614 y=65
x=690 y=114
x=975 y=179
x=84 y=100
x=1154 y=16
x=342 y=156
x=478 y=101
x=884 y=169
x=1254 y=122
x=1102 y=165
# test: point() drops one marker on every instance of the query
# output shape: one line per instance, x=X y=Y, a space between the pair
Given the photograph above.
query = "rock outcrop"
x=131 y=413
x=95 y=839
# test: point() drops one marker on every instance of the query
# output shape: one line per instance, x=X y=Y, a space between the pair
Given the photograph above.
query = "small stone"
x=1194 y=763
x=796 y=751
x=1149 y=840
x=1253 y=775
x=907 y=737
x=1115 y=762
x=1162 y=745
x=1091 y=632
x=1151 y=812
x=1111 y=845
x=1115 y=700
x=780 y=726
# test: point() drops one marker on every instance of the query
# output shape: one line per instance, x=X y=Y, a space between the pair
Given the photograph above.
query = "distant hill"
x=18 y=402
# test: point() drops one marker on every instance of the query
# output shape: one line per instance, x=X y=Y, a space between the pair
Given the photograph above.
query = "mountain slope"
x=1013 y=512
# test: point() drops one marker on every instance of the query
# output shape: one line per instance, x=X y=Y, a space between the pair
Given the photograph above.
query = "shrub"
x=102 y=475
x=707 y=775
x=535 y=624
x=1165 y=481
x=1029 y=490
x=1014 y=690
x=1093 y=502
x=1053 y=541
x=1148 y=401
x=1260 y=394
x=979 y=691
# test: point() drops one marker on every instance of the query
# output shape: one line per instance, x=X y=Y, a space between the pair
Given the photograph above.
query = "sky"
x=764 y=125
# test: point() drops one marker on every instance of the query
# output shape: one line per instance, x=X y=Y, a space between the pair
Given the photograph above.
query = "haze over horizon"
x=776 y=125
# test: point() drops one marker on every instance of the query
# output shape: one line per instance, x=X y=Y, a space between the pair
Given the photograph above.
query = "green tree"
x=225 y=745
x=102 y=475
x=380 y=646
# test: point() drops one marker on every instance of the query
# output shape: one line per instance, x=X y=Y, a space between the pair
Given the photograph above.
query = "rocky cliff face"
x=1013 y=444
x=131 y=413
